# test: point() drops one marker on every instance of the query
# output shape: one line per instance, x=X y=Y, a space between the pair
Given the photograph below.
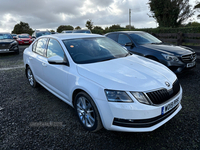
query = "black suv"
x=177 y=58
x=8 y=44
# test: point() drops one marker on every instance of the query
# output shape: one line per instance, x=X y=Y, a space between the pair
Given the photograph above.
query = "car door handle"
x=44 y=64
x=30 y=58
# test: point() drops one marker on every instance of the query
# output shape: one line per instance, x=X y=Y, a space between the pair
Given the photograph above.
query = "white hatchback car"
x=105 y=84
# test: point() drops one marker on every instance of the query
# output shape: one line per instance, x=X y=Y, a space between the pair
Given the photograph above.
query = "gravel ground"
x=36 y=119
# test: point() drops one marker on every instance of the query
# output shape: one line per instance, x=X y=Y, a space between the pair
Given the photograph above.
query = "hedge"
x=154 y=30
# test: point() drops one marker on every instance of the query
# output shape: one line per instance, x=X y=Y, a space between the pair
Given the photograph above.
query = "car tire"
x=87 y=112
x=30 y=76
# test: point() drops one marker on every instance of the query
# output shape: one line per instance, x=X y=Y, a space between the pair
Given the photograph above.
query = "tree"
x=197 y=6
x=170 y=13
x=64 y=27
x=117 y=26
x=89 y=24
x=97 y=30
x=78 y=28
x=22 y=27
x=132 y=27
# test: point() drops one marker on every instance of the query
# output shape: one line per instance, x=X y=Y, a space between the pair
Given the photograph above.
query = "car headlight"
x=140 y=97
x=170 y=57
x=117 y=96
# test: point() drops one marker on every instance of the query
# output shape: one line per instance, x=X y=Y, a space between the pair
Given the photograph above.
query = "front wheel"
x=87 y=112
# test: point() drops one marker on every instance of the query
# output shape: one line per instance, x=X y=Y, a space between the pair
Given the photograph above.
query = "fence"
x=179 y=38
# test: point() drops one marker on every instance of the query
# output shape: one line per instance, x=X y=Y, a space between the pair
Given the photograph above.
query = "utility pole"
x=129 y=19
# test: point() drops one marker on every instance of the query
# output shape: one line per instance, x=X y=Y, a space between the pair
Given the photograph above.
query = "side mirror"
x=129 y=44
x=57 y=60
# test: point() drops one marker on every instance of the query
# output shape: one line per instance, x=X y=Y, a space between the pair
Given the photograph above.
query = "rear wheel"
x=30 y=77
x=87 y=112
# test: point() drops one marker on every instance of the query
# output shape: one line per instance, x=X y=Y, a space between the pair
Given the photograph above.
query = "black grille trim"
x=163 y=95
x=188 y=58
x=143 y=123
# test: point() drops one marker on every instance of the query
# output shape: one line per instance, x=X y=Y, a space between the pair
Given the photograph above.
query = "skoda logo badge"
x=167 y=84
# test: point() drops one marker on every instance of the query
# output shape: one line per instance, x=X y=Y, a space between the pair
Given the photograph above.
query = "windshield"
x=5 y=36
x=42 y=33
x=23 y=36
x=91 y=50
x=144 y=38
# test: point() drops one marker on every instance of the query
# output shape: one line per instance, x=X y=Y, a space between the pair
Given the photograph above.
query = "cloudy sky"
x=50 y=14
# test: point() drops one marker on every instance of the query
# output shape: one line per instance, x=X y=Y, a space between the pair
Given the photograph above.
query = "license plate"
x=190 y=64
x=25 y=42
x=169 y=106
x=4 y=50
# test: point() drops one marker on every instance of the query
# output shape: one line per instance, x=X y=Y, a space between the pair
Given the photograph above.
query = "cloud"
x=49 y=14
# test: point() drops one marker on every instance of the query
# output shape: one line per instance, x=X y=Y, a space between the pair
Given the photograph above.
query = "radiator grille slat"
x=161 y=96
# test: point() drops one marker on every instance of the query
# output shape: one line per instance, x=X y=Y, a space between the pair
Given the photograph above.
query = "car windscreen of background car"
x=5 y=36
x=23 y=36
x=90 y=50
x=144 y=38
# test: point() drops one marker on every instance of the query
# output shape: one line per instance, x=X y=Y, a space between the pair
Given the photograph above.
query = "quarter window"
x=54 y=49
x=41 y=46
x=123 y=39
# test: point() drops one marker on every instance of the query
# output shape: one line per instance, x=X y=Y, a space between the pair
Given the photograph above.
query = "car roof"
x=73 y=36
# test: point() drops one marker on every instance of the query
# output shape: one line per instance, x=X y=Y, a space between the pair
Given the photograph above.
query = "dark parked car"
x=37 y=34
x=14 y=36
x=8 y=44
x=82 y=31
x=67 y=31
x=177 y=58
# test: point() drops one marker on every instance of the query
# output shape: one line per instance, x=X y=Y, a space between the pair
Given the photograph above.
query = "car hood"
x=5 y=41
x=165 y=48
x=132 y=73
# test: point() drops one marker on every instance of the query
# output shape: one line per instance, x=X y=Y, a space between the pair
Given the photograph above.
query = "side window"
x=112 y=36
x=123 y=39
x=34 y=46
x=41 y=46
x=54 y=49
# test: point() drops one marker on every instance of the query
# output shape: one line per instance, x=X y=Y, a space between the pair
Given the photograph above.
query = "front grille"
x=189 y=58
x=4 y=46
x=161 y=96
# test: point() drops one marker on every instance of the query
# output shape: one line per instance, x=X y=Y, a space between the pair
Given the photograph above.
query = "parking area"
x=36 y=119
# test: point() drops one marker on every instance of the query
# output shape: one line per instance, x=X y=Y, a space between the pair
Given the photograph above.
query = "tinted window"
x=144 y=38
x=5 y=36
x=38 y=34
x=41 y=46
x=112 y=36
x=54 y=49
x=123 y=39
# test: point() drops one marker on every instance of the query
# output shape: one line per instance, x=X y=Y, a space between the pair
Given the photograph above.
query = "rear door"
x=37 y=59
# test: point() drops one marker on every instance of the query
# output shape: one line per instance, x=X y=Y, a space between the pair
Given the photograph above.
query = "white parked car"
x=107 y=86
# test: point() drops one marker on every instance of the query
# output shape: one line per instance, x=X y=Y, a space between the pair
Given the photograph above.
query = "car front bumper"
x=136 y=117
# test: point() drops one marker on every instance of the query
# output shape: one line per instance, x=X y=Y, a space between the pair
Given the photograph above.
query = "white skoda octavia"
x=107 y=86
